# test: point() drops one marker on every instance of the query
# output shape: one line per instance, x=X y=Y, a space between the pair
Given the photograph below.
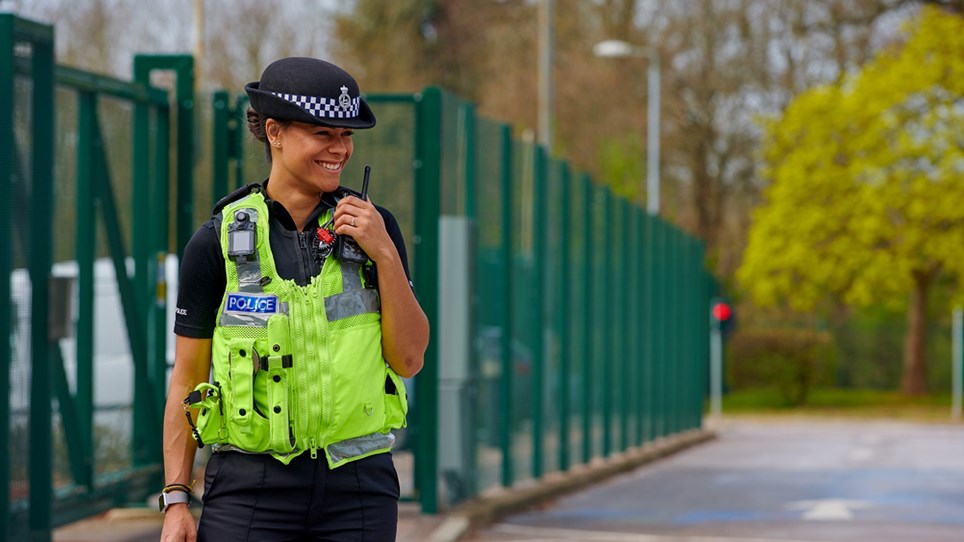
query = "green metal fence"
x=566 y=323
x=579 y=329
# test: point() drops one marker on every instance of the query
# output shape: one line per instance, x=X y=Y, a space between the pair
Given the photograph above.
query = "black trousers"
x=254 y=497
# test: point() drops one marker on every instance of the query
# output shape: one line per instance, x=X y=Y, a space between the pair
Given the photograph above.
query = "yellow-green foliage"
x=867 y=179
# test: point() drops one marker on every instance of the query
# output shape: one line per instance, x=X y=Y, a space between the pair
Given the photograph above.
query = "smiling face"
x=308 y=157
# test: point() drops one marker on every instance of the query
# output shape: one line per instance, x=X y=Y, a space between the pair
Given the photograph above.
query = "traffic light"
x=722 y=315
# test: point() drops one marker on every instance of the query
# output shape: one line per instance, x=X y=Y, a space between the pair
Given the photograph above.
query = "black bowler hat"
x=310 y=90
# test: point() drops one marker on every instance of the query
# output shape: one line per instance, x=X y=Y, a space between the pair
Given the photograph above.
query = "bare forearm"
x=191 y=367
x=179 y=444
x=405 y=329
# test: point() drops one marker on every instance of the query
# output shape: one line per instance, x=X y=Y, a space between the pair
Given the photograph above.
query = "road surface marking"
x=827 y=509
x=551 y=534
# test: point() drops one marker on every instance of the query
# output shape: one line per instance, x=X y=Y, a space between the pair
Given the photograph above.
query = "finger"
x=354 y=201
x=349 y=224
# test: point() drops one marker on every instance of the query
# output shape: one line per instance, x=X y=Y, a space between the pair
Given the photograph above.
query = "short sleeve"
x=201 y=285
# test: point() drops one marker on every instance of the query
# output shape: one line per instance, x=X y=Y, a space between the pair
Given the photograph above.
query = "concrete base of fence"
x=490 y=507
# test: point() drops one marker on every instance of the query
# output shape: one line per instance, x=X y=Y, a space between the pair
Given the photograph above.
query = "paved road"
x=774 y=481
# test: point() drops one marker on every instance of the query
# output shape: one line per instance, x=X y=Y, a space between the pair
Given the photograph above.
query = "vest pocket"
x=358 y=378
x=246 y=427
x=396 y=400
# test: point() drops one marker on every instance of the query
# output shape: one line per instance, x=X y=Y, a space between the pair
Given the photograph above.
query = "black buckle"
x=193 y=397
x=285 y=362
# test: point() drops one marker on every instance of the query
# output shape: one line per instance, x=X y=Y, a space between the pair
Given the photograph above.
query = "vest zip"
x=325 y=391
x=308 y=410
x=303 y=246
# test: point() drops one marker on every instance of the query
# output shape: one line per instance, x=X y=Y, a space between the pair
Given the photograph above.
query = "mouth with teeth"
x=333 y=167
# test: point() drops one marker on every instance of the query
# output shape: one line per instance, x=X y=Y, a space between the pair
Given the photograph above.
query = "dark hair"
x=256 y=122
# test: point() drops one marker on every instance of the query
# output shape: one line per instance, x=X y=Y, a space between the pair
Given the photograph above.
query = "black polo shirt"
x=203 y=280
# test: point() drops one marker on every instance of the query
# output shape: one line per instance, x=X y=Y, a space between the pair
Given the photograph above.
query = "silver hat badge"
x=344 y=100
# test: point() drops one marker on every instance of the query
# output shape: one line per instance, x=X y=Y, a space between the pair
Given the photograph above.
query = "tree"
x=866 y=197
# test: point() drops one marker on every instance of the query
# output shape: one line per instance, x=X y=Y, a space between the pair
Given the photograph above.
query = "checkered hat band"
x=323 y=108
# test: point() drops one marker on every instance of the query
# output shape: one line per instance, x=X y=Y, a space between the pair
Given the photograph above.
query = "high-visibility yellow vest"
x=297 y=368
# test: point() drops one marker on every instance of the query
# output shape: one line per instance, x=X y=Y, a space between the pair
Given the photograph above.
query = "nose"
x=338 y=145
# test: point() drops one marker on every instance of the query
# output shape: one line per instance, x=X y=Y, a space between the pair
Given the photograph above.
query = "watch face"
x=174 y=497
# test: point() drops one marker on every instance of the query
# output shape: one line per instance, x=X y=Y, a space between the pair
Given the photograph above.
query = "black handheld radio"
x=346 y=248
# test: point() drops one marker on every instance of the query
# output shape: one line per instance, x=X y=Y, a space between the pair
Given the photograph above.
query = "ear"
x=273 y=130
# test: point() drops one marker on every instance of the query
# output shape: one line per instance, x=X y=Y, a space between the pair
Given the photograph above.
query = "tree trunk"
x=914 y=379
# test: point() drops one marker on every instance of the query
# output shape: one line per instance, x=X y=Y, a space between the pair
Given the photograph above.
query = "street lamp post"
x=622 y=49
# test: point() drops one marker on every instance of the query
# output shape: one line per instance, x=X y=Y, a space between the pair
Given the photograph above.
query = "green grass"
x=842 y=403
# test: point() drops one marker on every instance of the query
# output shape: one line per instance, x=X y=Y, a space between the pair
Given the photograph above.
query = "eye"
x=348 y=133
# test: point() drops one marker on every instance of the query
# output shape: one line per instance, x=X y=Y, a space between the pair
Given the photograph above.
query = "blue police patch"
x=258 y=304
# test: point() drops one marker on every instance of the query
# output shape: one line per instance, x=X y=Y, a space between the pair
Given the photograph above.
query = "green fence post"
x=653 y=307
x=686 y=334
x=624 y=283
x=141 y=202
x=7 y=152
x=220 y=137
x=471 y=212
x=703 y=353
x=86 y=249
x=672 y=311
x=538 y=301
x=662 y=337
x=184 y=95
x=428 y=152
x=238 y=139
x=696 y=279
x=41 y=260
x=588 y=319
x=160 y=223
x=564 y=307
x=679 y=351
x=505 y=339
x=638 y=325
x=606 y=323
x=694 y=317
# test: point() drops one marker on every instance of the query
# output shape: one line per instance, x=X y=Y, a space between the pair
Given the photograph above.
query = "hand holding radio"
x=347 y=248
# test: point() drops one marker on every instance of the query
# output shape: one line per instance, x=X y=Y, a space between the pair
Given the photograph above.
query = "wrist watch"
x=173 y=497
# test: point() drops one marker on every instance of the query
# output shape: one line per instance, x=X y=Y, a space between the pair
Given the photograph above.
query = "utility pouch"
x=276 y=365
x=210 y=420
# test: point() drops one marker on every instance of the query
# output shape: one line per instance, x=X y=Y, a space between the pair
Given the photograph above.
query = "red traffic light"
x=721 y=311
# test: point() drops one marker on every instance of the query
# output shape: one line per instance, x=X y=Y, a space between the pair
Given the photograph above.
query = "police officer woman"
x=289 y=349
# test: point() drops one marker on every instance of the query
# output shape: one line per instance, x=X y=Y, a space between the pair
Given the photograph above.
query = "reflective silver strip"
x=351 y=303
x=249 y=275
x=350 y=278
x=338 y=451
x=250 y=319
x=358 y=446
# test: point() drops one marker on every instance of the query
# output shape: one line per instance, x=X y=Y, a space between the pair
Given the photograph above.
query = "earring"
x=276 y=143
